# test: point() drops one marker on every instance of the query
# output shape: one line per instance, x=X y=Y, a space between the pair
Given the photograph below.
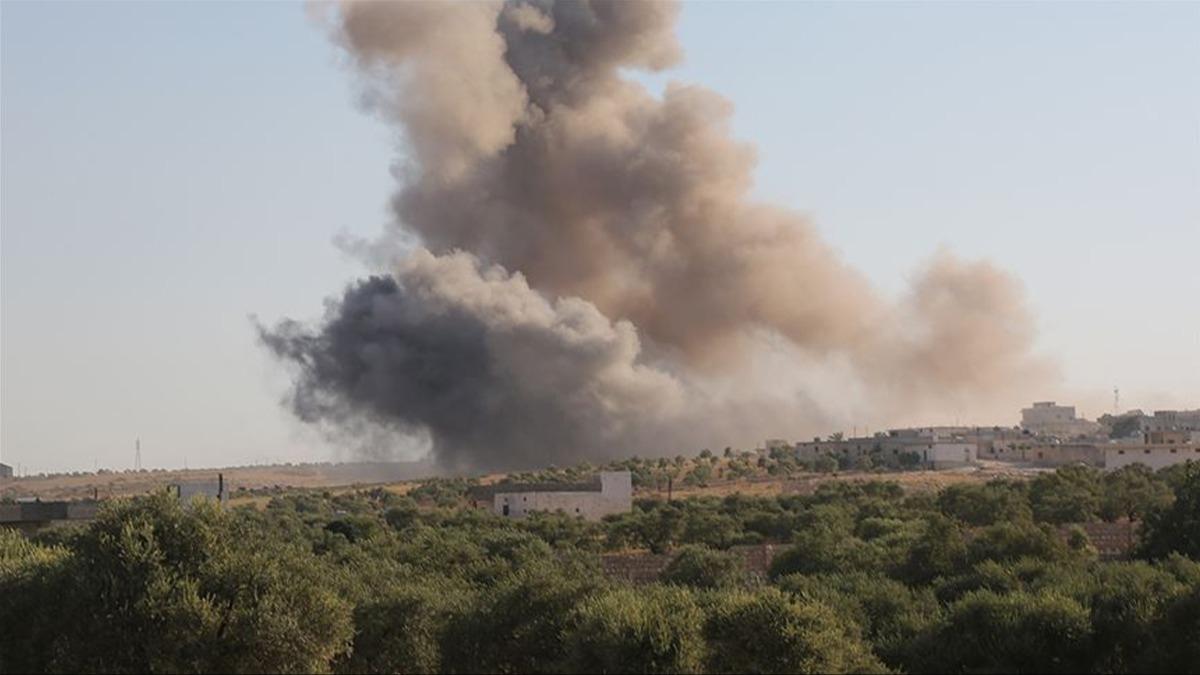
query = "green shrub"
x=655 y=629
x=768 y=631
x=702 y=567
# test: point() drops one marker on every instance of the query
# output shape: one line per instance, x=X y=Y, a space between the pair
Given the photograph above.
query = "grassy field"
x=123 y=484
x=399 y=478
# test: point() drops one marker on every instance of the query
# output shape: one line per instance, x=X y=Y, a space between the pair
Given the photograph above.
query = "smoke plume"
x=562 y=211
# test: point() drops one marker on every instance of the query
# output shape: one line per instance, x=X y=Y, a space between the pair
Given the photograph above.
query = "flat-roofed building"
x=934 y=447
x=1172 y=420
x=1049 y=419
x=1173 y=437
x=611 y=492
x=1154 y=456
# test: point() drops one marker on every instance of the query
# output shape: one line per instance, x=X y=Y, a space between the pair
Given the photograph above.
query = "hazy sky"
x=169 y=169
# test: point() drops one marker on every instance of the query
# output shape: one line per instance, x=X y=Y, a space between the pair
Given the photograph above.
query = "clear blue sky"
x=169 y=169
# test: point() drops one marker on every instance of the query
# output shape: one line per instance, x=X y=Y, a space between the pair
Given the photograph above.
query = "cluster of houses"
x=1049 y=435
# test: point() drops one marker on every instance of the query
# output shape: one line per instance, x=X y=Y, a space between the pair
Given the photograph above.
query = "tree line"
x=974 y=578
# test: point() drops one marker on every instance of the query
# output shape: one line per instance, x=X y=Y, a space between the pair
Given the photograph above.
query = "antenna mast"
x=137 y=454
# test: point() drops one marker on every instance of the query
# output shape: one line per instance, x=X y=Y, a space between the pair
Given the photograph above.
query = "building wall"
x=646 y=568
x=948 y=455
x=615 y=496
x=210 y=489
x=1060 y=454
x=1113 y=541
x=35 y=515
x=1056 y=420
x=1172 y=420
x=6 y=471
x=1168 y=437
x=1014 y=449
x=1046 y=412
x=888 y=449
x=934 y=453
x=1154 y=456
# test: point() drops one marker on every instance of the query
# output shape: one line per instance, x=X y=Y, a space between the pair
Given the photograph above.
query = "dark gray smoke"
x=491 y=371
x=528 y=148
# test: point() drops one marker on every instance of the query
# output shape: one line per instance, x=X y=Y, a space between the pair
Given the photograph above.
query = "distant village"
x=1049 y=435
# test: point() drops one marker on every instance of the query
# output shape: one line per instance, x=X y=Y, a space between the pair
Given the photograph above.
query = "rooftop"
x=489 y=491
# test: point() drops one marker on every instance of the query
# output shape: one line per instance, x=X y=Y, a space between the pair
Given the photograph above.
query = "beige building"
x=1172 y=420
x=1004 y=443
x=1155 y=456
x=1028 y=449
x=1060 y=454
x=1046 y=418
x=1168 y=437
x=611 y=492
x=948 y=454
x=935 y=447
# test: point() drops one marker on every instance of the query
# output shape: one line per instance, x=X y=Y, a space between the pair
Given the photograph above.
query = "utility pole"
x=1116 y=401
x=137 y=454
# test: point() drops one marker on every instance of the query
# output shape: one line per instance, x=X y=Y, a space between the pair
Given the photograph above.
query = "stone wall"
x=1113 y=541
x=645 y=568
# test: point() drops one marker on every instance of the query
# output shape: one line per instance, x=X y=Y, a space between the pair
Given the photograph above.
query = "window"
x=1120 y=452
x=1172 y=451
x=506 y=509
x=1147 y=451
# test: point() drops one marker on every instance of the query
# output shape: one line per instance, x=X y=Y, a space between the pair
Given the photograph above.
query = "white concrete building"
x=611 y=493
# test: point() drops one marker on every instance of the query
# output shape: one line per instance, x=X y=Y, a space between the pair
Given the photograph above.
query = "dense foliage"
x=868 y=578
